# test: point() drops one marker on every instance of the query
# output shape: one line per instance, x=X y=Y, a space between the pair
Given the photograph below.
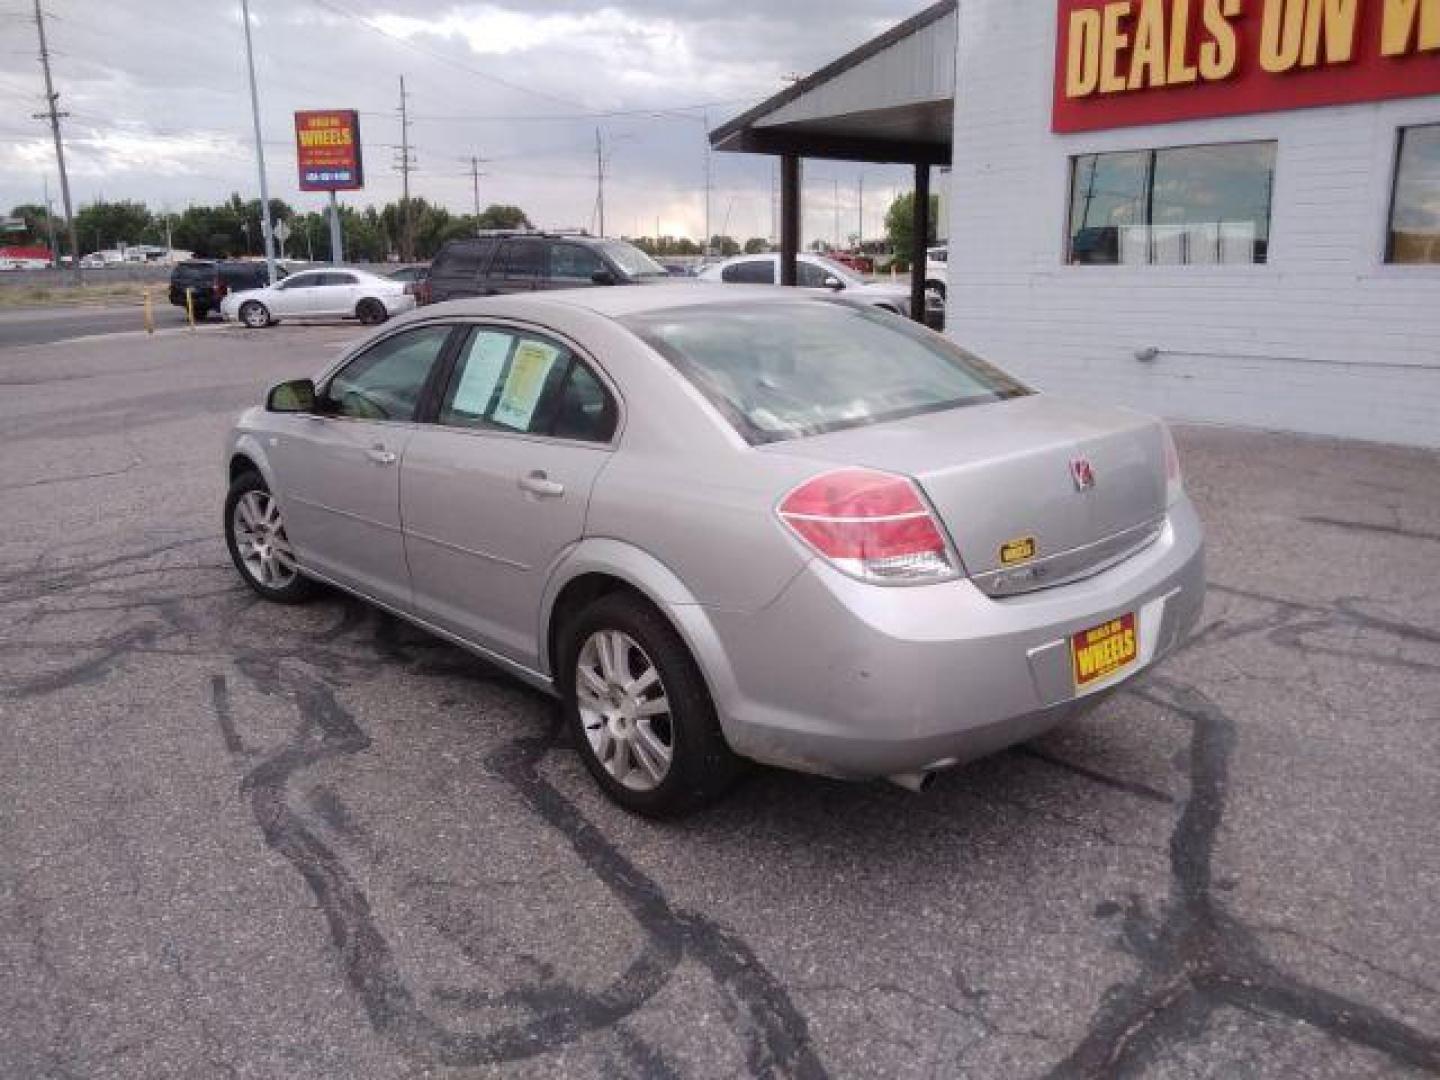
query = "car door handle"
x=537 y=483
x=380 y=456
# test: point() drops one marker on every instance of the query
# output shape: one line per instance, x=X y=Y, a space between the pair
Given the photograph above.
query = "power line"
x=338 y=9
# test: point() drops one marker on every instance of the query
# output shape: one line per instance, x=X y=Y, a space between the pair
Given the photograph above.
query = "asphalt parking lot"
x=238 y=840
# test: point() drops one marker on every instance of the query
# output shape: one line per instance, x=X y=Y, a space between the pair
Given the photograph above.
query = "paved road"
x=243 y=840
x=40 y=326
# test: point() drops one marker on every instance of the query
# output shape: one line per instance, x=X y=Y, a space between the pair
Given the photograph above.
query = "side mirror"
x=297 y=395
x=602 y=277
x=833 y=282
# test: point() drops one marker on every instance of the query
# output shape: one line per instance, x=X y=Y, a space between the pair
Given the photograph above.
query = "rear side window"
x=753 y=272
x=785 y=370
x=462 y=260
x=526 y=383
x=519 y=259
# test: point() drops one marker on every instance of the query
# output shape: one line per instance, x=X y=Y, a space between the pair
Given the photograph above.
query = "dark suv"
x=209 y=281
x=507 y=262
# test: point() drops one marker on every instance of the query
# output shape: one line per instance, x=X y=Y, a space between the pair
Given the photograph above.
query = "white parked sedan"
x=812 y=272
x=313 y=294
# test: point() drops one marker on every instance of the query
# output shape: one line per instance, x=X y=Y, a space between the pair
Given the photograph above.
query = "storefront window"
x=1186 y=205
x=1415 y=211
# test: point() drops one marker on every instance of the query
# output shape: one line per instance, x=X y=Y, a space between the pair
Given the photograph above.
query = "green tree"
x=724 y=245
x=503 y=216
x=757 y=245
x=900 y=223
x=35 y=217
x=109 y=224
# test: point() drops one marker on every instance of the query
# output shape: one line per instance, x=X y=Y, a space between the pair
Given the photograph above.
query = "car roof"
x=622 y=300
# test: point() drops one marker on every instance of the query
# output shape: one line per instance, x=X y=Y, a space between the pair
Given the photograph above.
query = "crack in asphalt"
x=1197 y=957
x=759 y=1009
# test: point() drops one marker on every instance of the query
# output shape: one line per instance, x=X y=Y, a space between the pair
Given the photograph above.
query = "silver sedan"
x=338 y=292
x=812 y=272
x=728 y=523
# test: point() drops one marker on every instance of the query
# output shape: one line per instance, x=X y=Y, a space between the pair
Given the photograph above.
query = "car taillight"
x=872 y=525
x=1174 y=483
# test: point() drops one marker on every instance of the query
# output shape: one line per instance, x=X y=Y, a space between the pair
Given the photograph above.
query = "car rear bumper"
x=848 y=679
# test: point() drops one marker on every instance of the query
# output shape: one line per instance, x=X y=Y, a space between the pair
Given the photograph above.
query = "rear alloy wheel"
x=371 y=312
x=254 y=314
x=259 y=546
x=639 y=711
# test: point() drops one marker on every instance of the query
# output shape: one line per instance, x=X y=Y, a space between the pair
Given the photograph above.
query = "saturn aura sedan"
x=728 y=523
x=337 y=293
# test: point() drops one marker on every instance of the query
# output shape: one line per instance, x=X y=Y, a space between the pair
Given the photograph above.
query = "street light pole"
x=259 y=148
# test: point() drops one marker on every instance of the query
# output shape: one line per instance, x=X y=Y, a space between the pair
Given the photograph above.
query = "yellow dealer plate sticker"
x=1017 y=551
x=1103 y=650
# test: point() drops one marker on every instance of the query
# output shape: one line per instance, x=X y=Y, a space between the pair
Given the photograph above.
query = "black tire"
x=937 y=287
x=299 y=588
x=254 y=314
x=202 y=312
x=371 y=312
x=702 y=765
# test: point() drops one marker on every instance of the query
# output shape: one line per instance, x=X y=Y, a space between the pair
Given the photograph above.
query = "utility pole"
x=53 y=114
x=50 y=223
x=259 y=148
x=705 y=118
x=475 y=175
x=599 y=182
x=860 y=218
x=405 y=166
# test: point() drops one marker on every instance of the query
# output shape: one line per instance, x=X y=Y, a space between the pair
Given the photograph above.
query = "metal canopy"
x=891 y=101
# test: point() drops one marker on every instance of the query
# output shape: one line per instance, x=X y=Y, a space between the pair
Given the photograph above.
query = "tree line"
x=408 y=229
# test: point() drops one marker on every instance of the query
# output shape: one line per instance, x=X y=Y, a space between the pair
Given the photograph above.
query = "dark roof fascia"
x=913 y=25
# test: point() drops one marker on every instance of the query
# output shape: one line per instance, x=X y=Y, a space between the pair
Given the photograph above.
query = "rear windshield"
x=194 y=272
x=786 y=370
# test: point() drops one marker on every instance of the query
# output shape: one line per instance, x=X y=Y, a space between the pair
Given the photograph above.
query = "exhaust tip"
x=913 y=781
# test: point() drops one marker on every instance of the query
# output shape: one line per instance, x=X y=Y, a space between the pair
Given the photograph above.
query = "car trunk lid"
x=1008 y=480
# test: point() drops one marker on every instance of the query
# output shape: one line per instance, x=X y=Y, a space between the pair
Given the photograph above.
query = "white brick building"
x=1324 y=336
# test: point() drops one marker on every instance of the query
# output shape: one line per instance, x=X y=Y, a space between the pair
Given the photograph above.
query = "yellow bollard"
x=190 y=306
x=149 y=313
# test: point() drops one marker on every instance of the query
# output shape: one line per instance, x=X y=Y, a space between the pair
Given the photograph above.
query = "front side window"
x=302 y=281
x=812 y=276
x=385 y=381
x=338 y=279
x=527 y=384
x=1186 y=205
x=1415 y=210
x=750 y=272
x=571 y=262
x=787 y=370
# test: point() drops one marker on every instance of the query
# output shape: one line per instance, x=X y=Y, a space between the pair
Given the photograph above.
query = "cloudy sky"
x=160 y=110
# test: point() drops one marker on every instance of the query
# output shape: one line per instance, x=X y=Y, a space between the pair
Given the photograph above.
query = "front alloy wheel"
x=624 y=710
x=255 y=535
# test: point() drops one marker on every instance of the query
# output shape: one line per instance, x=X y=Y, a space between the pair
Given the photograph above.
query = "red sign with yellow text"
x=327 y=150
x=1120 y=63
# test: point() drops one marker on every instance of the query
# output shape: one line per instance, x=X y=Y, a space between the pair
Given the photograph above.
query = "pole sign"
x=1119 y=63
x=327 y=150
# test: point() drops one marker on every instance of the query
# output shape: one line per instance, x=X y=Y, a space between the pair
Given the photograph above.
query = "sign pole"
x=337 y=239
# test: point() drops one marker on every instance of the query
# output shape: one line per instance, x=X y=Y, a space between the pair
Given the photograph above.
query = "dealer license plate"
x=1103 y=650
